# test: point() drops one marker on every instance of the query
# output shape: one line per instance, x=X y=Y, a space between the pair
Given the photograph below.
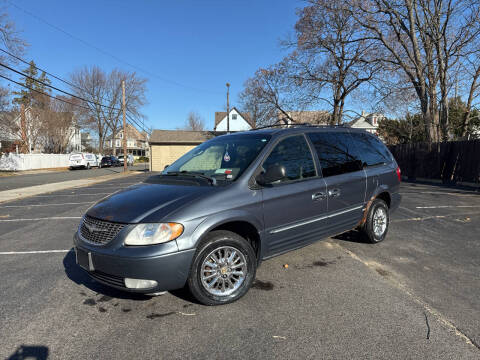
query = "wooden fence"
x=451 y=162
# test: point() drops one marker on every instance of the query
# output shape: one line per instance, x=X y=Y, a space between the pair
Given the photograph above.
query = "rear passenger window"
x=293 y=153
x=372 y=151
x=336 y=153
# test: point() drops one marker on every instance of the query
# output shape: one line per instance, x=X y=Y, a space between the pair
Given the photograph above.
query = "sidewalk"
x=20 y=193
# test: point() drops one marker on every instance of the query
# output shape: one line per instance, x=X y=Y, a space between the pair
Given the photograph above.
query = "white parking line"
x=32 y=252
x=17 y=206
x=48 y=218
x=447 y=206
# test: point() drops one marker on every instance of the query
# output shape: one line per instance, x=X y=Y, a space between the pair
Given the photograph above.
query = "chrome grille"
x=99 y=232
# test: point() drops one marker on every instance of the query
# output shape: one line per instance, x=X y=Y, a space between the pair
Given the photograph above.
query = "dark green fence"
x=451 y=162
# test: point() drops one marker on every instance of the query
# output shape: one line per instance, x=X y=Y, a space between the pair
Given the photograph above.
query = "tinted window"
x=293 y=153
x=371 y=150
x=336 y=153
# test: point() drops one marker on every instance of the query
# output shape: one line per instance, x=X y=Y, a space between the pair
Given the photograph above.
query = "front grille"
x=99 y=232
x=108 y=279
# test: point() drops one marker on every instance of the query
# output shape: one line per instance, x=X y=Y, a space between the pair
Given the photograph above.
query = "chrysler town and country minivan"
x=210 y=218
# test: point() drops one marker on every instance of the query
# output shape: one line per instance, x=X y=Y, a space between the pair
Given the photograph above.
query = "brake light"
x=399 y=174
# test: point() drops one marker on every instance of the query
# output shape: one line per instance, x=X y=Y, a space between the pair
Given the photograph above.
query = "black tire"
x=216 y=240
x=369 y=227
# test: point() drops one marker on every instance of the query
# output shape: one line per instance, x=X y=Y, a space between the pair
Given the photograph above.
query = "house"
x=314 y=117
x=137 y=142
x=238 y=121
x=34 y=134
x=366 y=121
x=166 y=146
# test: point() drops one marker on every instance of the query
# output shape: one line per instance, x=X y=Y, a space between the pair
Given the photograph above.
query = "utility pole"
x=228 y=109
x=124 y=130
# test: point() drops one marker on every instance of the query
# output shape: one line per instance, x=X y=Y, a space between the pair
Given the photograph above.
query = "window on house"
x=234 y=116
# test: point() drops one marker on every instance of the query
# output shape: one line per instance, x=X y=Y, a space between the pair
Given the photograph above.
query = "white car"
x=130 y=159
x=83 y=160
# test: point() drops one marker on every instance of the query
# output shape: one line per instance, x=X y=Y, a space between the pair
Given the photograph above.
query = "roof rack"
x=296 y=125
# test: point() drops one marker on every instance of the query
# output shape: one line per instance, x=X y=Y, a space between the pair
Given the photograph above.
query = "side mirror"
x=273 y=173
x=166 y=166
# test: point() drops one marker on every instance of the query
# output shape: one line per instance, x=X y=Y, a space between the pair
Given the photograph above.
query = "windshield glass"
x=223 y=158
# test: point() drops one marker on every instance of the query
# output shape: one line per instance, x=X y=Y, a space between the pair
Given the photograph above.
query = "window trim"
x=260 y=167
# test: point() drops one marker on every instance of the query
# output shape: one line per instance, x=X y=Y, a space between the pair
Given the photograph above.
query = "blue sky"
x=199 y=44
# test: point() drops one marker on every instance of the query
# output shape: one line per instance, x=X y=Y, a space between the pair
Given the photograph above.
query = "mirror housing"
x=166 y=166
x=273 y=173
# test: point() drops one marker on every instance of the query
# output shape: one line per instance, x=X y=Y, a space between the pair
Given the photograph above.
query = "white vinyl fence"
x=16 y=162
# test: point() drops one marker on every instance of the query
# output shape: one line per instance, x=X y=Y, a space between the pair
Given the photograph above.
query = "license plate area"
x=84 y=259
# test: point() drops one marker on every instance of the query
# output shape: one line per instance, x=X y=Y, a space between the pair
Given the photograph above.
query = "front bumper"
x=170 y=269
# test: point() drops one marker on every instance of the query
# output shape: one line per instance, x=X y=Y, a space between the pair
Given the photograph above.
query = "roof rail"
x=296 y=125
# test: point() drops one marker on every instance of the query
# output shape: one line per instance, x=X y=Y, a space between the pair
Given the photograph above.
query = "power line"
x=45 y=71
x=60 y=99
x=41 y=92
x=173 y=82
x=57 y=89
x=48 y=73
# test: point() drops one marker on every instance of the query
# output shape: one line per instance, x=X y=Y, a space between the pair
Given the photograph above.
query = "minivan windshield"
x=222 y=158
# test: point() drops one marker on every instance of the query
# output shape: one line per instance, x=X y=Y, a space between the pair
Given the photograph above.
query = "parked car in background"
x=130 y=159
x=109 y=161
x=210 y=218
x=82 y=161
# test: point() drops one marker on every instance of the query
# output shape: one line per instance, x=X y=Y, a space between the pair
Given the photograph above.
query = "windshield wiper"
x=213 y=181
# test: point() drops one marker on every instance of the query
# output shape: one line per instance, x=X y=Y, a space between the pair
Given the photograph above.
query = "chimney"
x=363 y=113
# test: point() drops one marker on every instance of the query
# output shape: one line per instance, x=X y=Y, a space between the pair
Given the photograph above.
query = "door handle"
x=334 y=192
x=318 y=196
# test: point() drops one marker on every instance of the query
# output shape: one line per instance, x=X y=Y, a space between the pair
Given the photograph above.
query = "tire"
x=235 y=285
x=375 y=229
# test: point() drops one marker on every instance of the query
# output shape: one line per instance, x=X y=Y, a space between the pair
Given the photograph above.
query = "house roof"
x=220 y=115
x=181 y=136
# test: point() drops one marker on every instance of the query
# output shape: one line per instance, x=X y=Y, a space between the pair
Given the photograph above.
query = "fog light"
x=139 y=283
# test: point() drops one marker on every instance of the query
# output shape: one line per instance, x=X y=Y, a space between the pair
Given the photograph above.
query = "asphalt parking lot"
x=20 y=181
x=416 y=295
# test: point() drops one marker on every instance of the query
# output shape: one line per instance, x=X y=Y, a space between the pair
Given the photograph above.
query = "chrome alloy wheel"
x=223 y=271
x=379 y=221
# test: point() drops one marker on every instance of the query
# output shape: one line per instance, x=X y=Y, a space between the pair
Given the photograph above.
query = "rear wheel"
x=376 y=225
x=223 y=268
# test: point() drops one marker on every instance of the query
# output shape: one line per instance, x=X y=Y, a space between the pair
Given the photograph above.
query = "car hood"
x=147 y=202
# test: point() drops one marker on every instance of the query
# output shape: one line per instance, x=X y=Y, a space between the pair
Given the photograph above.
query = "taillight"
x=399 y=174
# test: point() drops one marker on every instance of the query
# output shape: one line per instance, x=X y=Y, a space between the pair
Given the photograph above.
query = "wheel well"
x=385 y=196
x=245 y=230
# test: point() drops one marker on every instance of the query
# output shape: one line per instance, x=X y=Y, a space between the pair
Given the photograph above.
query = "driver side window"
x=294 y=154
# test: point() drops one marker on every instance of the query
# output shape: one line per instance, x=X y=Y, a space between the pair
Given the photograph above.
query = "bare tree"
x=58 y=125
x=269 y=95
x=194 y=122
x=331 y=54
x=423 y=39
x=104 y=94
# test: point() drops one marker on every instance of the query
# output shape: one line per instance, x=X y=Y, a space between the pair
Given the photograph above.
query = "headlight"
x=150 y=234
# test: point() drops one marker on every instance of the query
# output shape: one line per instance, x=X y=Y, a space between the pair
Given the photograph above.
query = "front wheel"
x=223 y=268
x=378 y=219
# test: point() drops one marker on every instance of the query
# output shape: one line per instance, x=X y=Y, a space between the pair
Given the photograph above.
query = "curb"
x=22 y=193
